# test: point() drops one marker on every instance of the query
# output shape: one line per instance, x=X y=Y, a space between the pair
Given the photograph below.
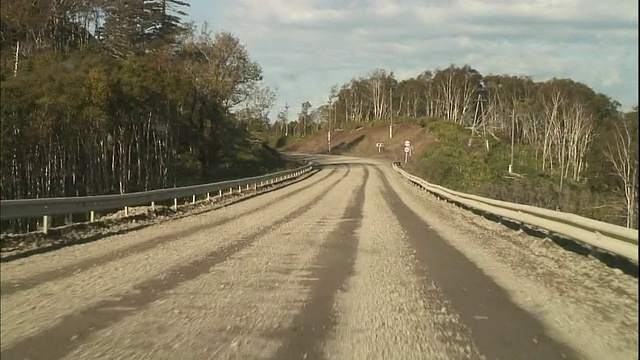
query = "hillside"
x=445 y=154
x=361 y=141
x=123 y=112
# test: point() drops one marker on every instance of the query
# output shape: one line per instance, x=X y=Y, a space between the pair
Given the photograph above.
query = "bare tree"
x=303 y=117
x=578 y=133
x=623 y=155
x=375 y=84
x=553 y=133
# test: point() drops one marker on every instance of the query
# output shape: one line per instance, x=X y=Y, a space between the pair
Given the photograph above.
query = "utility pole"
x=513 y=133
x=15 y=67
x=329 y=119
x=286 y=119
x=391 y=112
x=476 y=118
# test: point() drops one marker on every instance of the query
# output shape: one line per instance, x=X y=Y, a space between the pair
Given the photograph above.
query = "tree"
x=456 y=89
x=229 y=70
x=379 y=84
x=303 y=117
x=123 y=32
x=143 y=105
x=166 y=21
x=622 y=152
x=258 y=104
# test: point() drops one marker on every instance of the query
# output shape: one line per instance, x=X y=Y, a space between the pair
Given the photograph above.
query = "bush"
x=452 y=163
x=281 y=142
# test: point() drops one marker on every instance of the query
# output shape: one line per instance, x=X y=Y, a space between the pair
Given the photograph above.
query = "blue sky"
x=304 y=47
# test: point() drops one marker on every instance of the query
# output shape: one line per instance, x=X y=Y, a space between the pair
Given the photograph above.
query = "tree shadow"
x=346 y=146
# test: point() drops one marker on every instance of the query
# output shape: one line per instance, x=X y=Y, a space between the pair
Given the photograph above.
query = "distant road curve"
x=350 y=263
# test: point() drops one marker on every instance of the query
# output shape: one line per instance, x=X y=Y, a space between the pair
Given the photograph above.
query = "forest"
x=115 y=96
x=562 y=132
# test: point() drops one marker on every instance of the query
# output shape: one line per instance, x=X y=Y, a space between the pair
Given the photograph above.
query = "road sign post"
x=407 y=150
x=379 y=146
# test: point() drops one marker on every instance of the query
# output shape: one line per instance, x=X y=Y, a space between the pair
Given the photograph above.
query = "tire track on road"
x=57 y=341
x=335 y=264
x=13 y=286
x=500 y=328
x=384 y=313
x=225 y=313
x=27 y=312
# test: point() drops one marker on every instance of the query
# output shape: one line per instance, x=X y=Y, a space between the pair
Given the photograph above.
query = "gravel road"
x=350 y=263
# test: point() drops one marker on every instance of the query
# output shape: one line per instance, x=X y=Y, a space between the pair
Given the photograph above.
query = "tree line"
x=577 y=134
x=114 y=96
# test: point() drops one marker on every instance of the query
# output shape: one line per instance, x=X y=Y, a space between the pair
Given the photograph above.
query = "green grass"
x=452 y=163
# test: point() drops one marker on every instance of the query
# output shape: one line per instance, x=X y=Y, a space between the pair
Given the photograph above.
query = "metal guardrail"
x=45 y=207
x=598 y=234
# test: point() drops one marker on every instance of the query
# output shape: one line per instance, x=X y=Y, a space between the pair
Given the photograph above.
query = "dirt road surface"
x=350 y=263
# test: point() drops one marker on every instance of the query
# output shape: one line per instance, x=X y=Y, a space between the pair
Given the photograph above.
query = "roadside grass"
x=460 y=162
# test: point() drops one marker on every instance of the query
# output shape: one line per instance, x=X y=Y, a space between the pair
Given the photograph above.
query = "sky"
x=305 y=47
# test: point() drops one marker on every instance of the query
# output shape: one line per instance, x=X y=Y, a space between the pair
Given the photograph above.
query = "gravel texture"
x=386 y=312
x=350 y=263
x=580 y=301
x=236 y=309
x=26 y=313
x=13 y=246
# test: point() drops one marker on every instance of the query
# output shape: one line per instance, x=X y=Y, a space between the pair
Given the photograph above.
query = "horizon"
x=326 y=43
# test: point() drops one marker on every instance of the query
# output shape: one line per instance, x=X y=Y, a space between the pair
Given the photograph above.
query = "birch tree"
x=622 y=152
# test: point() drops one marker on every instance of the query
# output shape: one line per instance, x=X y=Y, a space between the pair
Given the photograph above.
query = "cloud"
x=304 y=47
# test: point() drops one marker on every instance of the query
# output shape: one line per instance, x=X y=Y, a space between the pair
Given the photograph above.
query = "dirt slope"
x=362 y=142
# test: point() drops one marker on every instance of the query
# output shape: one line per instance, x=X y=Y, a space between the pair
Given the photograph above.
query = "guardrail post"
x=230 y=191
x=153 y=206
x=175 y=204
x=208 y=197
x=45 y=224
x=126 y=211
x=239 y=189
x=193 y=199
x=92 y=216
x=220 y=193
x=255 y=187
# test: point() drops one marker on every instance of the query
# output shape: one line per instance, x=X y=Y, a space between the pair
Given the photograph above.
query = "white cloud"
x=305 y=47
x=385 y=8
x=282 y=11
